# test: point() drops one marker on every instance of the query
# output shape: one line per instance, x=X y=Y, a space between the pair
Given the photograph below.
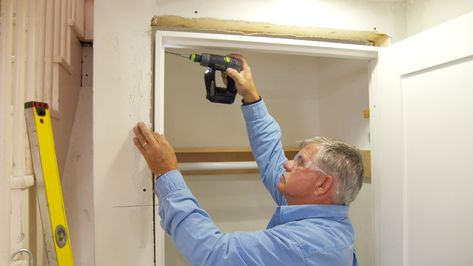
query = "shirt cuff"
x=169 y=182
x=254 y=111
x=244 y=103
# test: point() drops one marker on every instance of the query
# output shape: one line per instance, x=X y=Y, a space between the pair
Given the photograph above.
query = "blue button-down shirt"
x=296 y=234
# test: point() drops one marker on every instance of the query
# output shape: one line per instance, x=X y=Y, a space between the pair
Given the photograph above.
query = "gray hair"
x=343 y=162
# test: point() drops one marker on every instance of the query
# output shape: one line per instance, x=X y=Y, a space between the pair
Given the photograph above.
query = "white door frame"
x=193 y=40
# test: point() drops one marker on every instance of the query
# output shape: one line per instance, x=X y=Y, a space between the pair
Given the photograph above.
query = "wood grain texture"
x=239 y=27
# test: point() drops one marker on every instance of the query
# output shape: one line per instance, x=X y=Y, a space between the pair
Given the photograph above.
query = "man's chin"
x=282 y=180
x=280 y=186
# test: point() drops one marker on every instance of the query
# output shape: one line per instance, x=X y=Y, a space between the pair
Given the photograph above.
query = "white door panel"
x=438 y=126
x=422 y=124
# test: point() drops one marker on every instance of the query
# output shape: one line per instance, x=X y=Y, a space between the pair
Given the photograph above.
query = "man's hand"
x=157 y=151
x=244 y=81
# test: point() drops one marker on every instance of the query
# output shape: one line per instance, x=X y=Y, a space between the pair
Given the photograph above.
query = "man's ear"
x=324 y=185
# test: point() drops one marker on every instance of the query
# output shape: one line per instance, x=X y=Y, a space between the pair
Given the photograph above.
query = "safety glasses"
x=299 y=162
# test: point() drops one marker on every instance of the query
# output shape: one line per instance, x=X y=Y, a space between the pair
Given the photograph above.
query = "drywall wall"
x=77 y=182
x=424 y=14
x=343 y=95
x=123 y=194
x=77 y=179
x=69 y=88
x=284 y=85
x=123 y=89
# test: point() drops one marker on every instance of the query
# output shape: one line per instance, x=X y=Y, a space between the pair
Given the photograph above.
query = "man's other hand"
x=157 y=151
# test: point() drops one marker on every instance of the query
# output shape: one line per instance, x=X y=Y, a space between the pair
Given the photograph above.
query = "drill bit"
x=181 y=55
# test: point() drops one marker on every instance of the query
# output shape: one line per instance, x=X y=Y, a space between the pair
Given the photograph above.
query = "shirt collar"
x=289 y=213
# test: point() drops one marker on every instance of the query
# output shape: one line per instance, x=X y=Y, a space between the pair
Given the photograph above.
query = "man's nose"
x=288 y=165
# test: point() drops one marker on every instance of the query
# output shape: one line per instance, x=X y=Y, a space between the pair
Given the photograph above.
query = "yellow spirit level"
x=48 y=184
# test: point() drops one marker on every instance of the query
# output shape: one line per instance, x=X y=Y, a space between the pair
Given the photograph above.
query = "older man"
x=310 y=225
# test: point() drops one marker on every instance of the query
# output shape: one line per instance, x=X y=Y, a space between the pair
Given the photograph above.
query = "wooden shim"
x=366 y=113
x=238 y=27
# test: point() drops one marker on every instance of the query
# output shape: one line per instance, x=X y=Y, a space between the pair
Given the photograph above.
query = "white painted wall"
x=77 y=184
x=77 y=178
x=343 y=96
x=424 y=14
x=122 y=95
x=288 y=94
x=69 y=85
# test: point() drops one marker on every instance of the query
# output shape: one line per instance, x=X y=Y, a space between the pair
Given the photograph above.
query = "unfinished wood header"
x=238 y=27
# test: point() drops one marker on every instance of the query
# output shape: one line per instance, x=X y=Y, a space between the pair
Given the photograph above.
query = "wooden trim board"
x=238 y=27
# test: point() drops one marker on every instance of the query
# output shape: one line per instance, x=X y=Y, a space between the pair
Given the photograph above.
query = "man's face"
x=300 y=180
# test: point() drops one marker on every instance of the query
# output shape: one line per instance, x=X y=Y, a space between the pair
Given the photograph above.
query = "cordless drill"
x=216 y=63
x=221 y=63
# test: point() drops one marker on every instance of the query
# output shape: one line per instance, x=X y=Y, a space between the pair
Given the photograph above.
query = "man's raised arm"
x=264 y=132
